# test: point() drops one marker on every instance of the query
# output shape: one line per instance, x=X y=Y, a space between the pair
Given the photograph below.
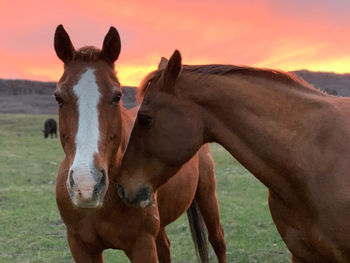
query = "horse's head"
x=166 y=134
x=88 y=96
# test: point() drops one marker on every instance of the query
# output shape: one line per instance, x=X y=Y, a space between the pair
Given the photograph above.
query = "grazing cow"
x=50 y=128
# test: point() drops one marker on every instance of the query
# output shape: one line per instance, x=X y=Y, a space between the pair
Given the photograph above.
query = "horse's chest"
x=88 y=232
x=109 y=234
x=96 y=232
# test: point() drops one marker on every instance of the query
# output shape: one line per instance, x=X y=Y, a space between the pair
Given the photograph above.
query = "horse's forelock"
x=88 y=54
x=145 y=83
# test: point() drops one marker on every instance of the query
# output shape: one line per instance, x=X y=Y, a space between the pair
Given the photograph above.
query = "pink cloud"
x=288 y=35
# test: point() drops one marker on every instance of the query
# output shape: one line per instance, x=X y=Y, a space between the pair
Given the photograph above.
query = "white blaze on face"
x=86 y=140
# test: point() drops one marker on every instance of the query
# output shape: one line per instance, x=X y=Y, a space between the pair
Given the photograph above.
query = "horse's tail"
x=198 y=232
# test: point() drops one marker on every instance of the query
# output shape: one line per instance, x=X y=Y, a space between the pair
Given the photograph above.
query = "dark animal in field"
x=50 y=128
x=290 y=136
x=94 y=131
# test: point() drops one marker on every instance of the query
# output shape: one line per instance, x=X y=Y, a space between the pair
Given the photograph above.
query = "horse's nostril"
x=103 y=177
x=70 y=178
x=101 y=182
x=121 y=192
x=143 y=194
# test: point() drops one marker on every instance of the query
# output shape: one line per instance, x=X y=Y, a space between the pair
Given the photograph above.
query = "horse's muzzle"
x=87 y=193
x=143 y=198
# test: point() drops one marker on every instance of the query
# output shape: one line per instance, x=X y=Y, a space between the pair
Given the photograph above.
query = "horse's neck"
x=258 y=121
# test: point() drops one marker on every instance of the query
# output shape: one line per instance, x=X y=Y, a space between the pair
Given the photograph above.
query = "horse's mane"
x=87 y=54
x=271 y=74
x=224 y=70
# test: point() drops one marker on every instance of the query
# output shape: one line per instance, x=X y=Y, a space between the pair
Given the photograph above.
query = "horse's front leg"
x=163 y=246
x=144 y=250
x=81 y=253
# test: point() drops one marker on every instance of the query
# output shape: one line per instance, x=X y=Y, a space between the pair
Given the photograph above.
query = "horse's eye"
x=144 y=120
x=59 y=100
x=116 y=98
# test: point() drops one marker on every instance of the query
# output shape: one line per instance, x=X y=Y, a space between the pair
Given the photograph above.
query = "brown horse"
x=94 y=130
x=291 y=136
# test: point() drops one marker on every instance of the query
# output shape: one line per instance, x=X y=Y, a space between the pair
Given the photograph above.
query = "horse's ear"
x=63 y=46
x=172 y=69
x=162 y=63
x=111 y=46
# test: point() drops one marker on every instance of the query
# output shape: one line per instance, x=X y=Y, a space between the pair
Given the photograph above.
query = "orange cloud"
x=278 y=34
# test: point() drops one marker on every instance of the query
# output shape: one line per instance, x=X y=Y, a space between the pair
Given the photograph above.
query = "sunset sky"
x=288 y=35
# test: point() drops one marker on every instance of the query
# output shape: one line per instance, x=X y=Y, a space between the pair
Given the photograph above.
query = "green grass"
x=31 y=229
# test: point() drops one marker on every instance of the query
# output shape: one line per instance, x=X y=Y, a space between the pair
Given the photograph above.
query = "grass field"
x=31 y=229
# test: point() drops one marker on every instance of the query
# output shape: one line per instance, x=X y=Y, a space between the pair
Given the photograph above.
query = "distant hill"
x=35 y=97
x=332 y=83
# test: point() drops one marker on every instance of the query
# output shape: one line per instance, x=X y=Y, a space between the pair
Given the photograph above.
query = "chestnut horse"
x=94 y=130
x=289 y=135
